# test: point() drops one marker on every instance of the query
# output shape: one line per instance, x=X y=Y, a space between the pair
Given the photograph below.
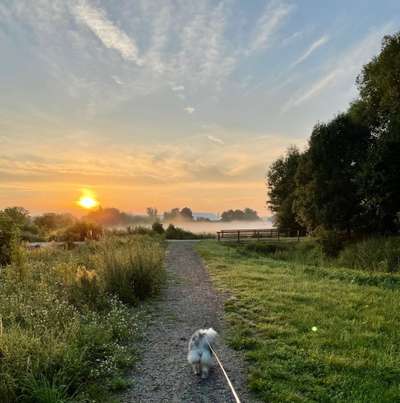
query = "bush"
x=374 y=254
x=158 y=228
x=173 y=232
x=331 y=242
x=80 y=231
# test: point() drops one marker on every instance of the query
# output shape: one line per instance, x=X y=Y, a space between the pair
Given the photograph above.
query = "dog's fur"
x=200 y=354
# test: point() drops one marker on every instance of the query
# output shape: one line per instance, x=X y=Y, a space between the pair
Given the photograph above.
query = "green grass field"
x=310 y=334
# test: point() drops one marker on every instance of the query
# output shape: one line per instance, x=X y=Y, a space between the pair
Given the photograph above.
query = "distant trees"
x=52 y=221
x=112 y=217
x=152 y=213
x=175 y=214
x=348 y=178
x=240 y=215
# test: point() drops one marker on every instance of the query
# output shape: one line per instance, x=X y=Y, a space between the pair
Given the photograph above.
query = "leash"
x=225 y=374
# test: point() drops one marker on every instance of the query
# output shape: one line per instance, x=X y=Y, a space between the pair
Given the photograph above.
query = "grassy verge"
x=68 y=319
x=310 y=333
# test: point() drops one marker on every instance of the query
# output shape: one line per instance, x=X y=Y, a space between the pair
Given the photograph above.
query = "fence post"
x=219 y=235
x=298 y=235
x=238 y=236
x=278 y=235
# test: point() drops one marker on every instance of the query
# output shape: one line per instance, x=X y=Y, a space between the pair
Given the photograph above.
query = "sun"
x=88 y=201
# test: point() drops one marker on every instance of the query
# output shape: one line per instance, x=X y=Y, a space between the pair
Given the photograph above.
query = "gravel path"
x=188 y=302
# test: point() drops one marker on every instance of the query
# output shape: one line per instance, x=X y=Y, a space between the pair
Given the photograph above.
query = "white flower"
x=314 y=328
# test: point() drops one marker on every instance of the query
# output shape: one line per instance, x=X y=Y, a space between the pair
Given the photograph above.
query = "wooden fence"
x=257 y=234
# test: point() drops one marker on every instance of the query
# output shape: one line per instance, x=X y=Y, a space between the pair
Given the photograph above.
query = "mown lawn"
x=310 y=333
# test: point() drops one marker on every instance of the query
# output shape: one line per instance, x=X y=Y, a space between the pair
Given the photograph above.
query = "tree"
x=281 y=189
x=240 y=215
x=179 y=215
x=53 y=221
x=186 y=214
x=152 y=213
x=328 y=192
x=171 y=215
x=379 y=105
x=250 y=215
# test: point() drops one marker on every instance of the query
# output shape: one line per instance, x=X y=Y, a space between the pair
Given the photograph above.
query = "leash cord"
x=225 y=374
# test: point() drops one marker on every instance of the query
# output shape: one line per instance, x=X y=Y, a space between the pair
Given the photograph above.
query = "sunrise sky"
x=170 y=103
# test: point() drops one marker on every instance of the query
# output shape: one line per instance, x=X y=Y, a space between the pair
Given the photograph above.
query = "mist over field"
x=202 y=227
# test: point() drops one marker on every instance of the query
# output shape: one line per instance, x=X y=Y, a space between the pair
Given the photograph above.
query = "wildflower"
x=314 y=328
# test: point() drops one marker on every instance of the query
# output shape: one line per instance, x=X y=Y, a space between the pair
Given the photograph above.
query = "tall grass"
x=379 y=254
x=65 y=334
x=132 y=272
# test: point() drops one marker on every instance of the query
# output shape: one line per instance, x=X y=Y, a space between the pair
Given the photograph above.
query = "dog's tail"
x=210 y=335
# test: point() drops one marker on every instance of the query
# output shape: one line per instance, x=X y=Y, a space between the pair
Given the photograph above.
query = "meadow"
x=69 y=318
x=313 y=329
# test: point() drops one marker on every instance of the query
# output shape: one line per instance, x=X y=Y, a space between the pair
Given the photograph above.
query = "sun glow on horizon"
x=88 y=200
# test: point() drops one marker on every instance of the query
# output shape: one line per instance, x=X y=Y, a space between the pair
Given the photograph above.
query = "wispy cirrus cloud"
x=343 y=69
x=190 y=110
x=215 y=139
x=268 y=24
x=312 y=48
x=106 y=31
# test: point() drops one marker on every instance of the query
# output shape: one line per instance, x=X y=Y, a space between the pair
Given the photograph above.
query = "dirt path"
x=188 y=302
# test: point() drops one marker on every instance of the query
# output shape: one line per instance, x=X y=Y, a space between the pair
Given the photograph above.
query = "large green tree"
x=379 y=107
x=329 y=188
x=281 y=189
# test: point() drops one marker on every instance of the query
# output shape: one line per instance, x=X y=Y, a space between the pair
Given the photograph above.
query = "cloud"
x=267 y=25
x=117 y=80
x=190 y=110
x=215 y=139
x=106 y=31
x=178 y=88
x=314 y=46
x=343 y=69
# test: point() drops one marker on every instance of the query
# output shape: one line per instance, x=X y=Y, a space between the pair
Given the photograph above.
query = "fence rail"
x=257 y=234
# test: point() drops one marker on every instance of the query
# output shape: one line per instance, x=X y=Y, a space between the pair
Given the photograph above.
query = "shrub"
x=80 y=231
x=173 y=232
x=158 y=228
x=374 y=254
x=331 y=242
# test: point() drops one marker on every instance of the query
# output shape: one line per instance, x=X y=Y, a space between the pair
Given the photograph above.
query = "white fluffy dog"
x=200 y=354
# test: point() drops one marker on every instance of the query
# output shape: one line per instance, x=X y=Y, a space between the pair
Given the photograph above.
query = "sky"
x=170 y=103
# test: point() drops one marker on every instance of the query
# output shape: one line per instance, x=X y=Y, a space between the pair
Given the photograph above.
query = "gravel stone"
x=187 y=303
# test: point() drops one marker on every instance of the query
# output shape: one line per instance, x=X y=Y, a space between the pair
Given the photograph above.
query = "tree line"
x=348 y=178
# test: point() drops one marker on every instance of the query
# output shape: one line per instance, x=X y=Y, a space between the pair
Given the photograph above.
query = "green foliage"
x=331 y=242
x=240 y=215
x=80 y=231
x=373 y=254
x=347 y=179
x=281 y=189
x=158 y=228
x=310 y=333
x=173 y=232
x=64 y=338
x=15 y=223
x=49 y=222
